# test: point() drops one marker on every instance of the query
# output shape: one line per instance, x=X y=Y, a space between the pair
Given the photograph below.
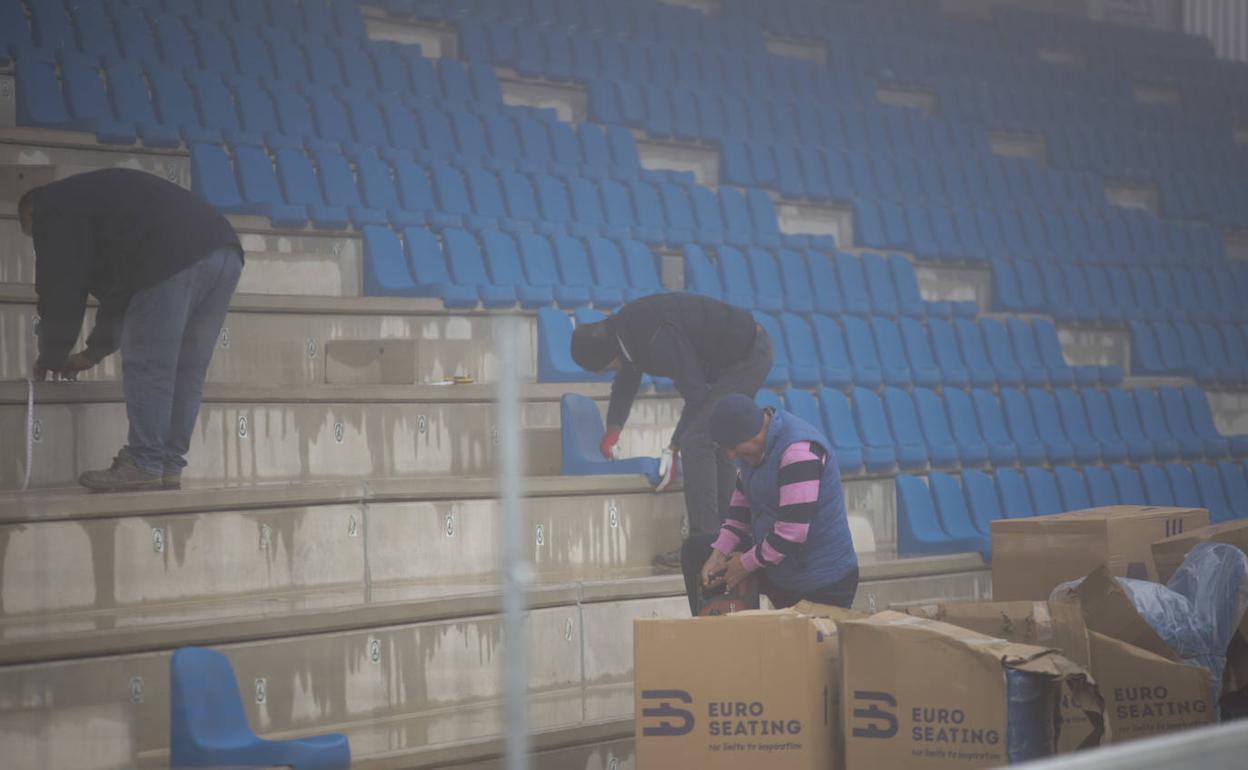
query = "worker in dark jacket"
x=163 y=265
x=709 y=349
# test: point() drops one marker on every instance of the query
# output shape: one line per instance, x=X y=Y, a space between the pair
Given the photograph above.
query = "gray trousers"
x=709 y=477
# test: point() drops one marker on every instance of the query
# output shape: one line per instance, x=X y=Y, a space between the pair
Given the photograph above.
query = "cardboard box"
x=1031 y=557
x=742 y=691
x=1147 y=687
x=921 y=694
x=1169 y=553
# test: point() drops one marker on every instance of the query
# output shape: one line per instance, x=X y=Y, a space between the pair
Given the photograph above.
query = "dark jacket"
x=687 y=337
x=110 y=234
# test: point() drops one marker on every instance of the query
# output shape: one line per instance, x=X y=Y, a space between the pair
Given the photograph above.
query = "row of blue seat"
x=941 y=515
x=187 y=34
x=1116 y=294
x=1219 y=199
x=913 y=431
x=1213 y=354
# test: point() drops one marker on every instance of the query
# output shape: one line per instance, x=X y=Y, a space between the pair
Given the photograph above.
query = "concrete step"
x=263 y=434
x=288 y=340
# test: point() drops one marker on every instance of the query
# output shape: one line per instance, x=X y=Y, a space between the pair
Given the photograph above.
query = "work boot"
x=669 y=562
x=171 y=479
x=122 y=476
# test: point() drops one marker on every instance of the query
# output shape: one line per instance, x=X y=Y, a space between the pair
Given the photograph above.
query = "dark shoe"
x=171 y=479
x=669 y=561
x=122 y=476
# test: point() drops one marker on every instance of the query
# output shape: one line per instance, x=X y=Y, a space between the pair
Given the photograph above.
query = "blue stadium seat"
x=133 y=104
x=918 y=352
x=1165 y=445
x=942 y=449
x=825 y=284
x=643 y=269
x=379 y=193
x=1012 y=492
x=972 y=446
x=608 y=267
x=582 y=430
x=1170 y=347
x=1027 y=354
x=1212 y=493
x=618 y=209
x=880 y=454
x=329 y=117
x=1060 y=372
x=882 y=291
x=853 y=283
x=804 y=366
x=541 y=270
x=626 y=163
x=176 y=49
x=701 y=276
x=1130 y=429
x=1075 y=424
x=709 y=221
x=176 y=106
x=891 y=352
x=991 y=420
x=1191 y=445
x=1231 y=372
x=768 y=399
x=486 y=200
x=1001 y=353
x=835 y=367
x=909 y=300
x=948 y=355
x=736 y=214
x=340 y=188
x=838 y=424
x=971 y=343
x=554 y=356
x=738 y=286
x=1235 y=483
x=574 y=270
x=765 y=275
x=1045 y=499
x=212 y=176
x=1156 y=485
x=385 y=269
x=301 y=188
x=467 y=268
x=1022 y=427
x=779 y=374
x=1127 y=482
x=208 y=726
x=1202 y=421
x=802 y=403
x=919 y=530
x=795 y=281
x=416 y=194
x=651 y=226
x=981 y=499
x=1104 y=431
x=505 y=270
x=903 y=423
x=678 y=211
x=89 y=108
x=862 y=352
x=594 y=150
x=1049 y=426
x=556 y=209
x=952 y=512
x=1073 y=488
x=1101 y=488
x=1183 y=484
x=261 y=192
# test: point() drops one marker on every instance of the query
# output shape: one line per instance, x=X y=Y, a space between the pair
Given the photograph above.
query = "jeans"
x=709 y=476
x=167 y=339
x=697 y=549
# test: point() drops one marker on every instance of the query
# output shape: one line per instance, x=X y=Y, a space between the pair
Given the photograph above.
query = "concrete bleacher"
x=337 y=536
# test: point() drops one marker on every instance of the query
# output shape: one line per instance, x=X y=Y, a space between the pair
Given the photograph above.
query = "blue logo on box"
x=666 y=711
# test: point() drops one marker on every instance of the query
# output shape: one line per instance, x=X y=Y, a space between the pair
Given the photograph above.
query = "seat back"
x=205 y=706
x=981 y=499
x=1073 y=488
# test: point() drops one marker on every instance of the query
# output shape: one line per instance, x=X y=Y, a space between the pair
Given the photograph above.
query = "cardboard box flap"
x=1169 y=553
x=999 y=651
x=816 y=610
x=1027 y=622
x=1107 y=610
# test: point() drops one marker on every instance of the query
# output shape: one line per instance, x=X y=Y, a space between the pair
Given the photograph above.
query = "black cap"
x=594 y=347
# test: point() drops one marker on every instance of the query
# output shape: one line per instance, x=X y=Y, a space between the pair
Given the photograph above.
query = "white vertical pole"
x=516 y=569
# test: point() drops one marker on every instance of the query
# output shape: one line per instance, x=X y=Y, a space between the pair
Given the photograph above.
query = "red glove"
x=609 y=440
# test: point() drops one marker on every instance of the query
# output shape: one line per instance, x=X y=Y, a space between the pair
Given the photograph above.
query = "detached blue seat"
x=554 y=350
x=208 y=727
x=982 y=501
x=919 y=531
x=581 y=432
x=903 y=423
x=880 y=454
x=838 y=423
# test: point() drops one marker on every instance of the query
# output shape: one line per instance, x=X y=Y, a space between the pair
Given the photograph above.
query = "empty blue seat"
x=467 y=268
x=942 y=449
x=918 y=351
x=737 y=283
x=1045 y=499
x=872 y=424
x=300 y=187
x=972 y=445
x=1235 y=483
x=804 y=364
x=428 y=267
x=1127 y=421
x=981 y=499
x=802 y=403
x=768 y=399
x=763 y=216
x=835 y=367
x=919 y=531
x=642 y=266
x=212 y=176
x=1183 y=484
x=1060 y=372
x=709 y=222
x=379 y=193
x=608 y=267
x=1101 y=487
x=909 y=300
x=176 y=105
x=340 y=188
x=574 y=270
x=1157 y=489
x=1104 y=431
x=540 y=269
x=1191 y=445
x=132 y=103
x=882 y=291
x=208 y=726
x=892 y=354
x=1202 y=422
x=971 y=343
x=701 y=276
x=1013 y=494
x=505 y=270
x=1022 y=427
x=1026 y=353
x=779 y=374
x=991 y=421
x=1127 y=482
x=1152 y=418
x=862 y=352
x=1075 y=424
x=838 y=423
x=953 y=513
x=651 y=226
x=736 y=215
x=1073 y=488
x=385 y=268
x=1212 y=493
x=552 y=198
x=582 y=428
x=261 y=192
x=853 y=283
x=825 y=284
x=903 y=423
x=795 y=281
x=554 y=356
x=948 y=355
x=765 y=275
x=1001 y=353
x=1049 y=427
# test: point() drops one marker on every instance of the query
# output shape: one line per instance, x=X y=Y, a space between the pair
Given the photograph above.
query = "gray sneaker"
x=122 y=476
x=669 y=561
x=171 y=479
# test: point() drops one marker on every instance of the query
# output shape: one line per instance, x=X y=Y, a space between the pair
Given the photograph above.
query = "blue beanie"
x=735 y=418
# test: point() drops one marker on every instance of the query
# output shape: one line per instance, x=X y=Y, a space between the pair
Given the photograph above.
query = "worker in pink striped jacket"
x=786 y=521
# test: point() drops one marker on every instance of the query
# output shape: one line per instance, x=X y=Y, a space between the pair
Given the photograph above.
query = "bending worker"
x=163 y=265
x=710 y=349
x=786 y=521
